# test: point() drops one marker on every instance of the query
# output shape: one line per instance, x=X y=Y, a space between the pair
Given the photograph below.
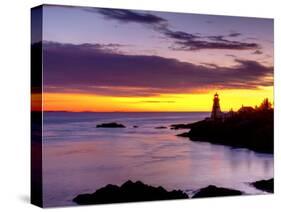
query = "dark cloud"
x=126 y=16
x=181 y=40
x=179 y=35
x=219 y=38
x=234 y=34
x=187 y=41
x=190 y=45
x=87 y=68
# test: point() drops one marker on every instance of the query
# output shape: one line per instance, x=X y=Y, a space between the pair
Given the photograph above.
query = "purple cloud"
x=88 y=68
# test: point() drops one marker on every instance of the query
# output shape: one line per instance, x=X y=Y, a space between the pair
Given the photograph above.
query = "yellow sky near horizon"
x=75 y=102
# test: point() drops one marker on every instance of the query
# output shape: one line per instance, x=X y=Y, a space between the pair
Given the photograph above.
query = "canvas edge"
x=36 y=189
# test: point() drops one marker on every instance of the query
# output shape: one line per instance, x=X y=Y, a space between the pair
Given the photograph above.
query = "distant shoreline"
x=123 y=111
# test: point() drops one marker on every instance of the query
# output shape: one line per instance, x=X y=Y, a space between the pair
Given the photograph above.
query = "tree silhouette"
x=265 y=105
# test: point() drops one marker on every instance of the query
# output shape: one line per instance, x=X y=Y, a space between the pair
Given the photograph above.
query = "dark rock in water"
x=179 y=126
x=135 y=126
x=128 y=192
x=265 y=185
x=110 y=125
x=213 y=191
x=161 y=127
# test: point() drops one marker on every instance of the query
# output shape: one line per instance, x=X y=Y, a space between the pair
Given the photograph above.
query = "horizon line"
x=65 y=111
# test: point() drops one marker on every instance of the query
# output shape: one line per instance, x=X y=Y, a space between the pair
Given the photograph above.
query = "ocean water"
x=80 y=158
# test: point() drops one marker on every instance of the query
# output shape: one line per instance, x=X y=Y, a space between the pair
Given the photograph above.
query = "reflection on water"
x=79 y=158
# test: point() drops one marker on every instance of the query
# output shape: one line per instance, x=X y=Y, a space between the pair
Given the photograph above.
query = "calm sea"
x=80 y=158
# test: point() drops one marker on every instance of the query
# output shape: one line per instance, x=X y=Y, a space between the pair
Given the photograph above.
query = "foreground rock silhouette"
x=213 y=191
x=110 y=125
x=128 y=192
x=252 y=130
x=265 y=185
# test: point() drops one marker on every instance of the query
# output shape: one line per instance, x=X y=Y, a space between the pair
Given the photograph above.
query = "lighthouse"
x=216 y=110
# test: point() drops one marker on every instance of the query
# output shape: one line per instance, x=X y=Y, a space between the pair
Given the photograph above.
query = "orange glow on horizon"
x=75 y=102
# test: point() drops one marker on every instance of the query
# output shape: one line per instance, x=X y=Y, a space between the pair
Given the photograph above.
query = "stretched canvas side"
x=36 y=106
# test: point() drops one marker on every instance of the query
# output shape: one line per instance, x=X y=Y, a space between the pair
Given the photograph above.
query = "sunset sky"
x=128 y=60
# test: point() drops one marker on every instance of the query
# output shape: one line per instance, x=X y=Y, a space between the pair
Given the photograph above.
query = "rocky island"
x=110 y=125
x=161 y=127
x=249 y=127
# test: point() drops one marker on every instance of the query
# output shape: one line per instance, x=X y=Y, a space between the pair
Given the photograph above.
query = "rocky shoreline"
x=253 y=130
x=138 y=191
x=265 y=185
